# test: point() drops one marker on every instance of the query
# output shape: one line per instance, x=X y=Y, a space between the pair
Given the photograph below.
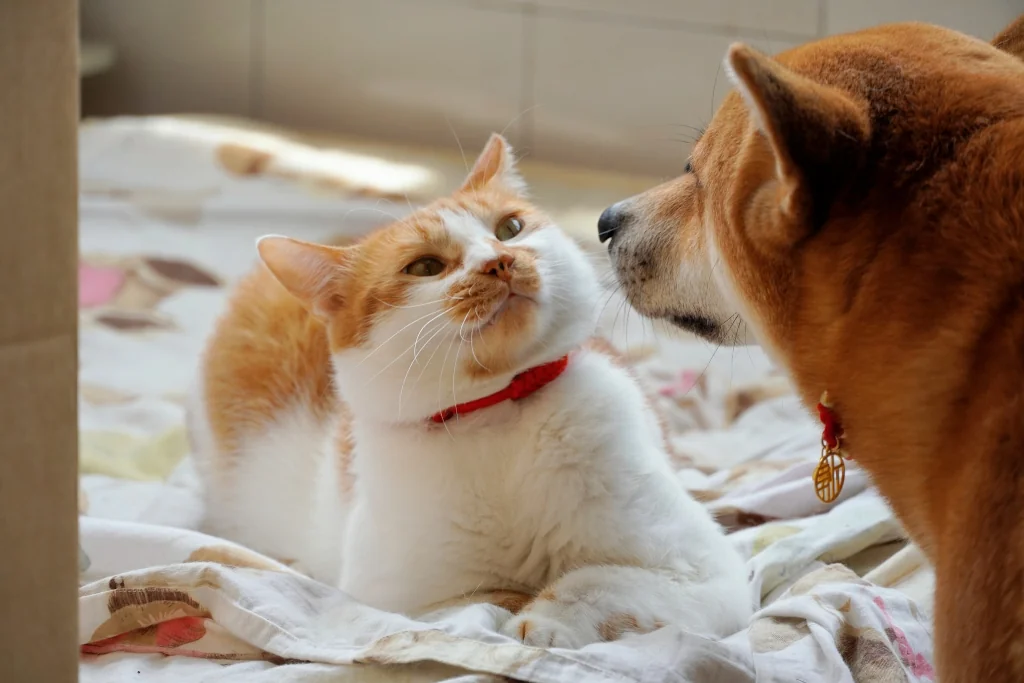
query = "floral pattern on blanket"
x=168 y=223
x=124 y=293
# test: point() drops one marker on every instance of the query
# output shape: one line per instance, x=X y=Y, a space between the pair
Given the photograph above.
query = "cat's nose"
x=610 y=222
x=500 y=267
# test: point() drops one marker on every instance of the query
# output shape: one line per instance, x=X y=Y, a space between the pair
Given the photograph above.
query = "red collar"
x=521 y=386
x=832 y=429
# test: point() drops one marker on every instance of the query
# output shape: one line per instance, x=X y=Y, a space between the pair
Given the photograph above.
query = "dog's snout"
x=611 y=220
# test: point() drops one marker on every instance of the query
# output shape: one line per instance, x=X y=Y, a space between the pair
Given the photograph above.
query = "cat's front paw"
x=538 y=630
x=571 y=624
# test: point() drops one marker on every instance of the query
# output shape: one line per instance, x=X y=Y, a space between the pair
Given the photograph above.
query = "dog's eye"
x=508 y=228
x=689 y=167
x=428 y=266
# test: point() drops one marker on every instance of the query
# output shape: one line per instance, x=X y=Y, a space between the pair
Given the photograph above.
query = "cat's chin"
x=513 y=305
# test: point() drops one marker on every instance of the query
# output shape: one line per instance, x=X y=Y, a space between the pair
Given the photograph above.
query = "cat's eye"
x=428 y=266
x=508 y=227
x=689 y=167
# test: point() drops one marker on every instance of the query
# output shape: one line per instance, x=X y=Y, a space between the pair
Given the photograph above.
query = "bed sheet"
x=170 y=210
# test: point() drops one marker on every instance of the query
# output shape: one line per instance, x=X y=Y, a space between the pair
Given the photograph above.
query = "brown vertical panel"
x=38 y=276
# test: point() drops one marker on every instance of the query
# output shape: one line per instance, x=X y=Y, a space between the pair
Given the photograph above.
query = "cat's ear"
x=314 y=273
x=817 y=134
x=495 y=165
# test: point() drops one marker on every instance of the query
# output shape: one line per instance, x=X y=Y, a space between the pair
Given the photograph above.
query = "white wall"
x=608 y=83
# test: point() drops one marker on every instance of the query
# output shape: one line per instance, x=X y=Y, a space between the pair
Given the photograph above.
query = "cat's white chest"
x=511 y=497
x=474 y=509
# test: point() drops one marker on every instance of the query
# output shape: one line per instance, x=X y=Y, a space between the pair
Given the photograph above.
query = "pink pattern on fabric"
x=687 y=381
x=98 y=286
x=915 y=661
x=167 y=635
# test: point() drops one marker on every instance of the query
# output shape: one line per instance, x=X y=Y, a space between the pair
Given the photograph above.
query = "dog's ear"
x=818 y=135
x=1011 y=38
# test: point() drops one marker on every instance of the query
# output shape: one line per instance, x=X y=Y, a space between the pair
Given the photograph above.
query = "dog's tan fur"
x=859 y=203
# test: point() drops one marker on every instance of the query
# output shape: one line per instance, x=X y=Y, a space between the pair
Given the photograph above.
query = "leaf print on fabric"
x=165 y=635
x=833 y=573
x=137 y=608
x=733 y=519
x=99 y=395
x=771 y=634
x=234 y=557
x=143 y=283
x=687 y=381
x=915 y=661
x=181 y=272
x=98 y=286
x=868 y=655
x=772 y=533
x=414 y=646
x=126 y=456
x=243 y=160
x=124 y=321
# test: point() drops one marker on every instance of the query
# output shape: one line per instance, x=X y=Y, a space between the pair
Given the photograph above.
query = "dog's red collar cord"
x=521 y=386
x=830 y=474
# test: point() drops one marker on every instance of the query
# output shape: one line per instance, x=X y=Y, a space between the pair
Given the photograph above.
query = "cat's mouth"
x=512 y=302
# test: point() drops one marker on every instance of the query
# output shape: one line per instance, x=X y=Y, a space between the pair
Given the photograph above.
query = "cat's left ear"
x=314 y=273
x=495 y=165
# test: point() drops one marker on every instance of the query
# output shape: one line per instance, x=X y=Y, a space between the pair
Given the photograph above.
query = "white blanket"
x=169 y=214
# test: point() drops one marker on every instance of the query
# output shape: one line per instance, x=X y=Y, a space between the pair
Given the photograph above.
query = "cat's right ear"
x=314 y=273
x=496 y=164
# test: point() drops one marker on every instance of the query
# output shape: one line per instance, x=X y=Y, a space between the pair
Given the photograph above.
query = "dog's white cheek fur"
x=727 y=294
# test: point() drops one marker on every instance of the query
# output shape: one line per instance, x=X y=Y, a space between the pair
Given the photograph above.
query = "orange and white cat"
x=327 y=434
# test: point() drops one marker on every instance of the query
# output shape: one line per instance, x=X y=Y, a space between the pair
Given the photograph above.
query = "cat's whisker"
x=472 y=348
x=383 y=369
x=412 y=209
x=416 y=354
x=458 y=142
x=441 y=374
x=440 y=380
x=432 y=335
x=371 y=209
x=455 y=367
x=416 y=341
x=426 y=303
x=401 y=389
x=404 y=328
x=394 y=360
x=440 y=329
x=611 y=295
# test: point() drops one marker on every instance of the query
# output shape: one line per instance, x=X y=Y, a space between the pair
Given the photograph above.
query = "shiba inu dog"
x=858 y=204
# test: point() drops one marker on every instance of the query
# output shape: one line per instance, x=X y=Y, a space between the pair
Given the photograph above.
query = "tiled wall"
x=609 y=83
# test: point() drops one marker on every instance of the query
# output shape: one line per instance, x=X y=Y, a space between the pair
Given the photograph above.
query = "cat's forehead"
x=460 y=219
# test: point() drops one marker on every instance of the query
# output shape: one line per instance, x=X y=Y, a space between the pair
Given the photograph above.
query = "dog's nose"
x=610 y=221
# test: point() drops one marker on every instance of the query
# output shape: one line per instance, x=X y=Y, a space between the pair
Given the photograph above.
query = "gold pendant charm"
x=829 y=475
